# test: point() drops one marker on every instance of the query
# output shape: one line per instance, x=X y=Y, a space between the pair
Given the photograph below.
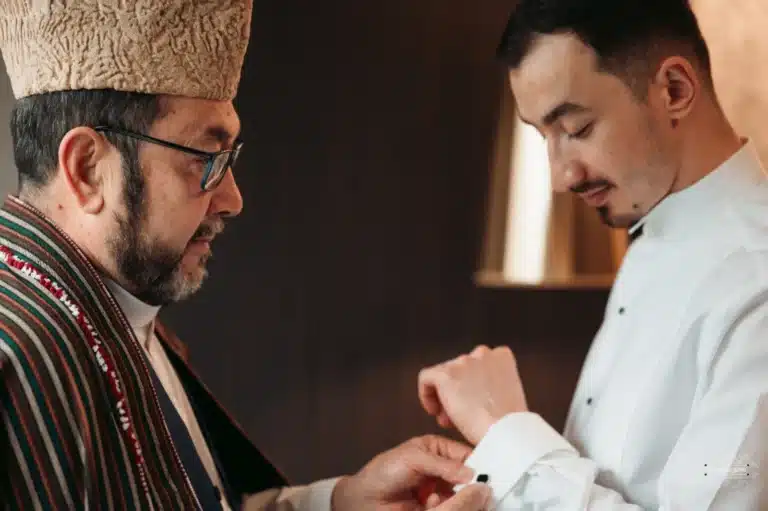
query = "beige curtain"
x=737 y=34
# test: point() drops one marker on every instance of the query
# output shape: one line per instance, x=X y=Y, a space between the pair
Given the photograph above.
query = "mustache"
x=588 y=186
x=210 y=228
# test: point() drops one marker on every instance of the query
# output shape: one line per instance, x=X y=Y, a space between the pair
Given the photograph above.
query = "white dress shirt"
x=671 y=409
x=141 y=317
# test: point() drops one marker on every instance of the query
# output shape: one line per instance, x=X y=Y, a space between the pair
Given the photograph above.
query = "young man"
x=671 y=409
x=124 y=134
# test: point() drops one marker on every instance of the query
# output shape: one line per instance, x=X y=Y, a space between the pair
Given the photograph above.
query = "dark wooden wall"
x=369 y=129
x=549 y=331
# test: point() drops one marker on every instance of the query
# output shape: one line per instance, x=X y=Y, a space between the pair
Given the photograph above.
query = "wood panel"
x=369 y=133
x=549 y=330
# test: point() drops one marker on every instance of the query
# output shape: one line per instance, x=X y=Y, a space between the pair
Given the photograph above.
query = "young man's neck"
x=710 y=143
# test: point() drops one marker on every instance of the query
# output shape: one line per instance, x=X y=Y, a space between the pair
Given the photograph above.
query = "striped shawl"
x=60 y=444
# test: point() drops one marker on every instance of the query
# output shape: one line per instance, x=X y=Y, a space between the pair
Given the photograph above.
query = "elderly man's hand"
x=474 y=497
x=396 y=479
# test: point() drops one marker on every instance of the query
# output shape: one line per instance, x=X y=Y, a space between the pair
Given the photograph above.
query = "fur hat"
x=192 y=48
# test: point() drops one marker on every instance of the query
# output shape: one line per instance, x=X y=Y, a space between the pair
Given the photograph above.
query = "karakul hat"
x=192 y=48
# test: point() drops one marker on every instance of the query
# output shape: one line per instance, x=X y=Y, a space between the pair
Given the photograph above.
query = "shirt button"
x=589 y=401
x=622 y=310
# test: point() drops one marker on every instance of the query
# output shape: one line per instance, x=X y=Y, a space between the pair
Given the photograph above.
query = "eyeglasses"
x=216 y=164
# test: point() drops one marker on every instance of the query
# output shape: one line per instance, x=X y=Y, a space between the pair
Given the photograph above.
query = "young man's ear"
x=679 y=86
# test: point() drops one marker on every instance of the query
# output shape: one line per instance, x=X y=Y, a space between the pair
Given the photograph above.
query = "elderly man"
x=124 y=137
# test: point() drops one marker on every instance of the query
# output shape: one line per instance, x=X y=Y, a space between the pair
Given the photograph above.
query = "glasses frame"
x=205 y=184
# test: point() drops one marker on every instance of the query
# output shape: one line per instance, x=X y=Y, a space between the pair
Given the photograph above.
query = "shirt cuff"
x=510 y=448
x=318 y=496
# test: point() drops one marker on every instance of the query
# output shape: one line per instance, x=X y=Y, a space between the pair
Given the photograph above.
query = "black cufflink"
x=482 y=478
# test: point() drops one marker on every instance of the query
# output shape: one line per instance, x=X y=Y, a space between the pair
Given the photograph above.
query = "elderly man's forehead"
x=199 y=118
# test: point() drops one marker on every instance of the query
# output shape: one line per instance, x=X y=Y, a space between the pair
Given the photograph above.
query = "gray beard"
x=151 y=270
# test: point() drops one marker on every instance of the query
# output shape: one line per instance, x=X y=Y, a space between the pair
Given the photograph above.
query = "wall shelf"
x=496 y=280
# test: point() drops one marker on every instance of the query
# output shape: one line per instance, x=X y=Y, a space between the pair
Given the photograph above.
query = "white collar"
x=701 y=205
x=139 y=314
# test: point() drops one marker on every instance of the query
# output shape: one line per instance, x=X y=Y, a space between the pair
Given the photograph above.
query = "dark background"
x=369 y=130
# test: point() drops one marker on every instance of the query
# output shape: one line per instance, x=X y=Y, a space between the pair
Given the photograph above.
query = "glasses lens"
x=219 y=167
x=236 y=153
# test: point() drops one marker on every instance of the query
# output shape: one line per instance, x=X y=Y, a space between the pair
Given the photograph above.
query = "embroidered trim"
x=27 y=270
